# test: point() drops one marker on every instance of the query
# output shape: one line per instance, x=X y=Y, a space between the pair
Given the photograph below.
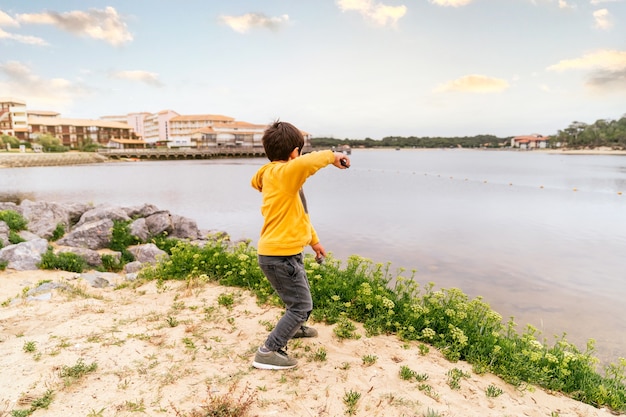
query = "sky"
x=334 y=68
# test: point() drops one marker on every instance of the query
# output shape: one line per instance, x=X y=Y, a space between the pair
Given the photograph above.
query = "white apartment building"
x=13 y=117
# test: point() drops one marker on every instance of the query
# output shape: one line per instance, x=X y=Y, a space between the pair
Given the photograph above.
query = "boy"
x=286 y=231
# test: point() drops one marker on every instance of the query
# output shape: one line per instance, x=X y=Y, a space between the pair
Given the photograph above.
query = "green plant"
x=13 y=219
x=407 y=373
x=29 y=346
x=73 y=373
x=492 y=391
x=3 y=265
x=58 y=232
x=38 y=403
x=15 y=238
x=345 y=329
x=226 y=300
x=65 y=261
x=111 y=263
x=369 y=360
x=350 y=399
x=172 y=321
x=431 y=413
x=320 y=355
x=454 y=377
x=121 y=238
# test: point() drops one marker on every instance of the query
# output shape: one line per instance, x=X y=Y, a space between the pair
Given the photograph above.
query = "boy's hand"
x=341 y=161
x=320 y=252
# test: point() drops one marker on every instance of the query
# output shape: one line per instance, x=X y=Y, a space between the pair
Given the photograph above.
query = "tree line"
x=578 y=135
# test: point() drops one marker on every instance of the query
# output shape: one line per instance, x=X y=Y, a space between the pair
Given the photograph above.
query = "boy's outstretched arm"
x=339 y=157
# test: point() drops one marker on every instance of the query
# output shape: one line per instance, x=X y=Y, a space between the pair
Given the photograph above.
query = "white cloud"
x=22 y=82
x=474 y=84
x=244 y=23
x=377 y=13
x=451 y=3
x=7 y=21
x=602 y=19
x=31 y=40
x=596 y=2
x=105 y=25
x=146 y=77
x=608 y=69
x=606 y=59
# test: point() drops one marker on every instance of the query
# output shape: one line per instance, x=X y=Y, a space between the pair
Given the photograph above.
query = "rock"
x=44 y=217
x=91 y=235
x=139 y=229
x=88 y=233
x=100 y=279
x=148 y=253
x=184 y=228
x=141 y=211
x=24 y=256
x=103 y=212
x=159 y=222
x=133 y=267
x=4 y=234
x=91 y=256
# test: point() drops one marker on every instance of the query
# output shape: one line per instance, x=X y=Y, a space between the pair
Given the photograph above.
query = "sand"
x=165 y=351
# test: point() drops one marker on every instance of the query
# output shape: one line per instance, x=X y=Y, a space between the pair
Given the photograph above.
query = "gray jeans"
x=287 y=276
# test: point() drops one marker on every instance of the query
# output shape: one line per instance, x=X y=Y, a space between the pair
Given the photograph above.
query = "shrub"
x=121 y=237
x=13 y=219
x=15 y=238
x=65 y=261
x=58 y=232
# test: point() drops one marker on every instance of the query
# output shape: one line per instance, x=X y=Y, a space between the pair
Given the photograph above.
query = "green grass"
x=392 y=303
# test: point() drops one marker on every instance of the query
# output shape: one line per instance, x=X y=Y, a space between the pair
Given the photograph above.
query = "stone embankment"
x=89 y=232
x=32 y=159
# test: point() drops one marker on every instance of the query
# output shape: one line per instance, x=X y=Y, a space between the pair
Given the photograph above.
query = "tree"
x=8 y=139
x=50 y=143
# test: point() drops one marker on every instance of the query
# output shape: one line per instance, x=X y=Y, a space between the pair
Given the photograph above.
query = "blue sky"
x=341 y=68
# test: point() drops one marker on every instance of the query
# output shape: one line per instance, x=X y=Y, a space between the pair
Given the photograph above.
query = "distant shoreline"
x=32 y=159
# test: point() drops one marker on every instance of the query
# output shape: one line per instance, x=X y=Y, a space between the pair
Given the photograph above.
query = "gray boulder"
x=148 y=253
x=24 y=256
x=103 y=212
x=4 y=234
x=139 y=229
x=92 y=235
x=43 y=217
x=184 y=228
x=92 y=257
x=159 y=222
x=144 y=210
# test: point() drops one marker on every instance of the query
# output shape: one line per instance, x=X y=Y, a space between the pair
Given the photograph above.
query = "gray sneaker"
x=273 y=360
x=305 y=331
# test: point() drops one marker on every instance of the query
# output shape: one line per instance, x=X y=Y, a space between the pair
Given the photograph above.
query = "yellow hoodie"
x=287 y=228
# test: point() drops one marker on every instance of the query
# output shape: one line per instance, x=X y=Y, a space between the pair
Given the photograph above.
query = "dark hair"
x=280 y=139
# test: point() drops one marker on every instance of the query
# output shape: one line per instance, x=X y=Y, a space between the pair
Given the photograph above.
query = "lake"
x=541 y=237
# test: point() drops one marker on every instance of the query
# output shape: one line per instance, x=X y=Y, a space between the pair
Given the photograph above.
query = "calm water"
x=541 y=237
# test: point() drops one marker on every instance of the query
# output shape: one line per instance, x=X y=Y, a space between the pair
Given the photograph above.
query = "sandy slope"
x=168 y=349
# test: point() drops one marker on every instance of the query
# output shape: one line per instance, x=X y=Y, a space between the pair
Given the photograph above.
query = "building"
x=530 y=142
x=27 y=126
x=166 y=128
x=74 y=133
x=13 y=118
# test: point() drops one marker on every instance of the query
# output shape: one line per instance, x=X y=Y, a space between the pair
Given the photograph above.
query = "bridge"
x=172 y=153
